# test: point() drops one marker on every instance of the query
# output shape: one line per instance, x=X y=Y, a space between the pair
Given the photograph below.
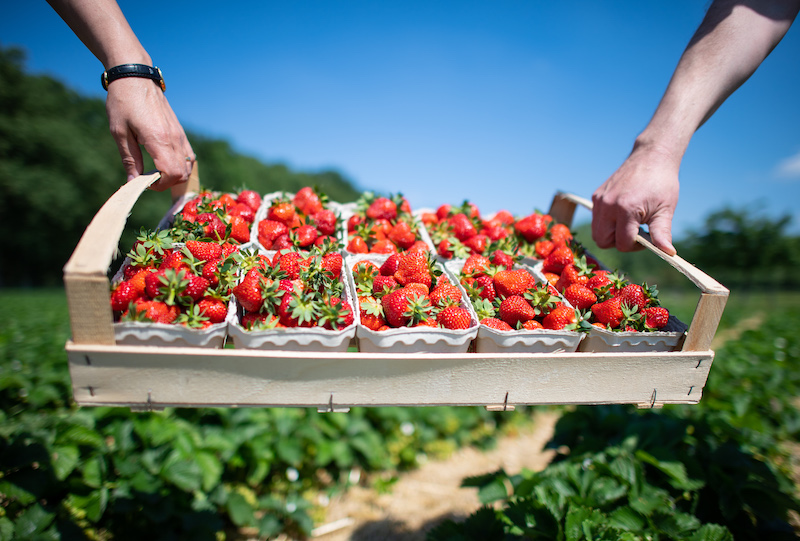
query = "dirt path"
x=421 y=499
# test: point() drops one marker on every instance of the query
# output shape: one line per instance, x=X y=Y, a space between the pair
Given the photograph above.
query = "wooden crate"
x=151 y=378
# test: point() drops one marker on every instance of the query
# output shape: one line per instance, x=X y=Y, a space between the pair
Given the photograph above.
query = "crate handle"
x=713 y=295
x=85 y=274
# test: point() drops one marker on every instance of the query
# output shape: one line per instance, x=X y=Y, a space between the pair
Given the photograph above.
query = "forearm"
x=102 y=27
x=731 y=42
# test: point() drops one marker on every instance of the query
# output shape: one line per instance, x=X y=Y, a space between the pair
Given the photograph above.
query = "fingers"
x=129 y=152
x=661 y=233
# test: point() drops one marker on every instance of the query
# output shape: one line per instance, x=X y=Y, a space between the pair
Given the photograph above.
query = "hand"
x=138 y=113
x=644 y=190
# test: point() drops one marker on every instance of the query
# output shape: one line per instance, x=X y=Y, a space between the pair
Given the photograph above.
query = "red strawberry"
x=634 y=296
x=324 y=221
x=332 y=262
x=560 y=257
x=402 y=235
x=371 y=313
x=443 y=291
x=282 y=211
x=560 y=234
x=497 y=324
x=656 y=317
x=250 y=198
x=532 y=227
x=204 y=251
x=454 y=318
x=543 y=248
x=307 y=201
x=269 y=230
x=513 y=282
x=123 y=295
x=196 y=288
x=485 y=286
x=515 y=309
x=357 y=245
x=305 y=235
x=601 y=279
x=476 y=264
x=608 y=312
x=413 y=268
x=382 y=208
x=500 y=258
x=214 y=309
x=384 y=246
x=289 y=263
x=389 y=266
x=240 y=229
x=213 y=226
x=244 y=212
x=559 y=317
x=381 y=283
x=155 y=311
x=335 y=314
x=580 y=296
x=532 y=325
x=404 y=307
x=463 y=228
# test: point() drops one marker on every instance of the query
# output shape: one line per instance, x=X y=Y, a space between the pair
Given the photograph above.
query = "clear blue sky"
x=500 y=102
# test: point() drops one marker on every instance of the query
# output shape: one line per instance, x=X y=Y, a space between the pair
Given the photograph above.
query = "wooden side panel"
x=158 y=377
x=90 y=313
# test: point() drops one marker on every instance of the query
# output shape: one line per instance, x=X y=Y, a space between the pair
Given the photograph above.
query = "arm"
x=731 y=42
x=138 y=111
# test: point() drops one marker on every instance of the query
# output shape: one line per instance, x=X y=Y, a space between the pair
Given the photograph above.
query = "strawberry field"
x=720 y=470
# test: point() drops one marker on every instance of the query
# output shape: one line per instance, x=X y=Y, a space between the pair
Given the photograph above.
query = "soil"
x=423 y=498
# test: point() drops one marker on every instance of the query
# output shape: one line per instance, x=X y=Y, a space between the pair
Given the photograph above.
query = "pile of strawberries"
x=408 y=290
x=293 y=289
x=298 y=222
x=217 y=216
x=382 y=225
x=459 y=231
x=603 y=298
x=511 y=298
x=166 y=283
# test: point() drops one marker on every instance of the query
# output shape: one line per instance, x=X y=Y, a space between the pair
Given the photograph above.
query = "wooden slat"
x=188 y=377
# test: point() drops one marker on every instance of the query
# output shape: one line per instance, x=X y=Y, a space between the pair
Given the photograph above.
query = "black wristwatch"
x=133 y=70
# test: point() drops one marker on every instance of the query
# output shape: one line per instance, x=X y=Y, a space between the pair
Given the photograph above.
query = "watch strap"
x=133 y=70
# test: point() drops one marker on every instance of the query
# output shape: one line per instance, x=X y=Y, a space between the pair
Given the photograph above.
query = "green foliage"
x=709 y=471
x=59 y=164
x=181 y=473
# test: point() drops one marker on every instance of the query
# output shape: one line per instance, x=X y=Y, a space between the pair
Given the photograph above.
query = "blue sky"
x=500 y=102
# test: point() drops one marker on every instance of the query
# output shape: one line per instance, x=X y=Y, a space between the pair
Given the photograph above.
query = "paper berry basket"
x=105 y=372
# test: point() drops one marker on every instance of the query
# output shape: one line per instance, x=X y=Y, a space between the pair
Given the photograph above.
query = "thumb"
x=661 y=233
x=131 y=155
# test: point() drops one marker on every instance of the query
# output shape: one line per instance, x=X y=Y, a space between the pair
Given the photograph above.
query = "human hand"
x=139 y=114
x=644 y=190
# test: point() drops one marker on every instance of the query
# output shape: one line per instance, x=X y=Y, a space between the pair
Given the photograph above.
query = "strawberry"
x=560 y=257
x=196 y=288
x=560 y=234
x=559 y=318
x=213 y=226
x=475 y=265
x=515 y=309
x=250 y=198
x=532 y=325
x=308 y=201
x=497 y=324
x=384 y=246
x=332 y=262
x=454 y=318
x=243 y=211
x=214 y=309
x=325 y=221
x=298 y=309
x=413 y=267
x=543 y=248
x=389 y=267
x=531 y=228
x=601 y=281
x=580 y=296
x=269 y=230
x=288 y=263
x=123 y=295
x=513 y=282
x=304 y=236
x=382 y=207
x=608 y=312
x=149 y=310
x=500 y=258
x=402 y=235
x=282 y=211
x=445 y=293
x=335 y=314
x=484 y=285
x=463 y=228
x=240 y=229
x=382 y=284
x=656 y=317
x=204 y=251
x=634 y=296
x=371 y=313
x=405 y=308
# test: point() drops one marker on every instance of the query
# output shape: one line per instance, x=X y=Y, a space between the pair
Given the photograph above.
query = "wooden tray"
x=151 y=378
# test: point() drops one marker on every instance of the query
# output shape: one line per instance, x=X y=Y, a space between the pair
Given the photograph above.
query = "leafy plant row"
x=708 y=472
x=109 y=473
